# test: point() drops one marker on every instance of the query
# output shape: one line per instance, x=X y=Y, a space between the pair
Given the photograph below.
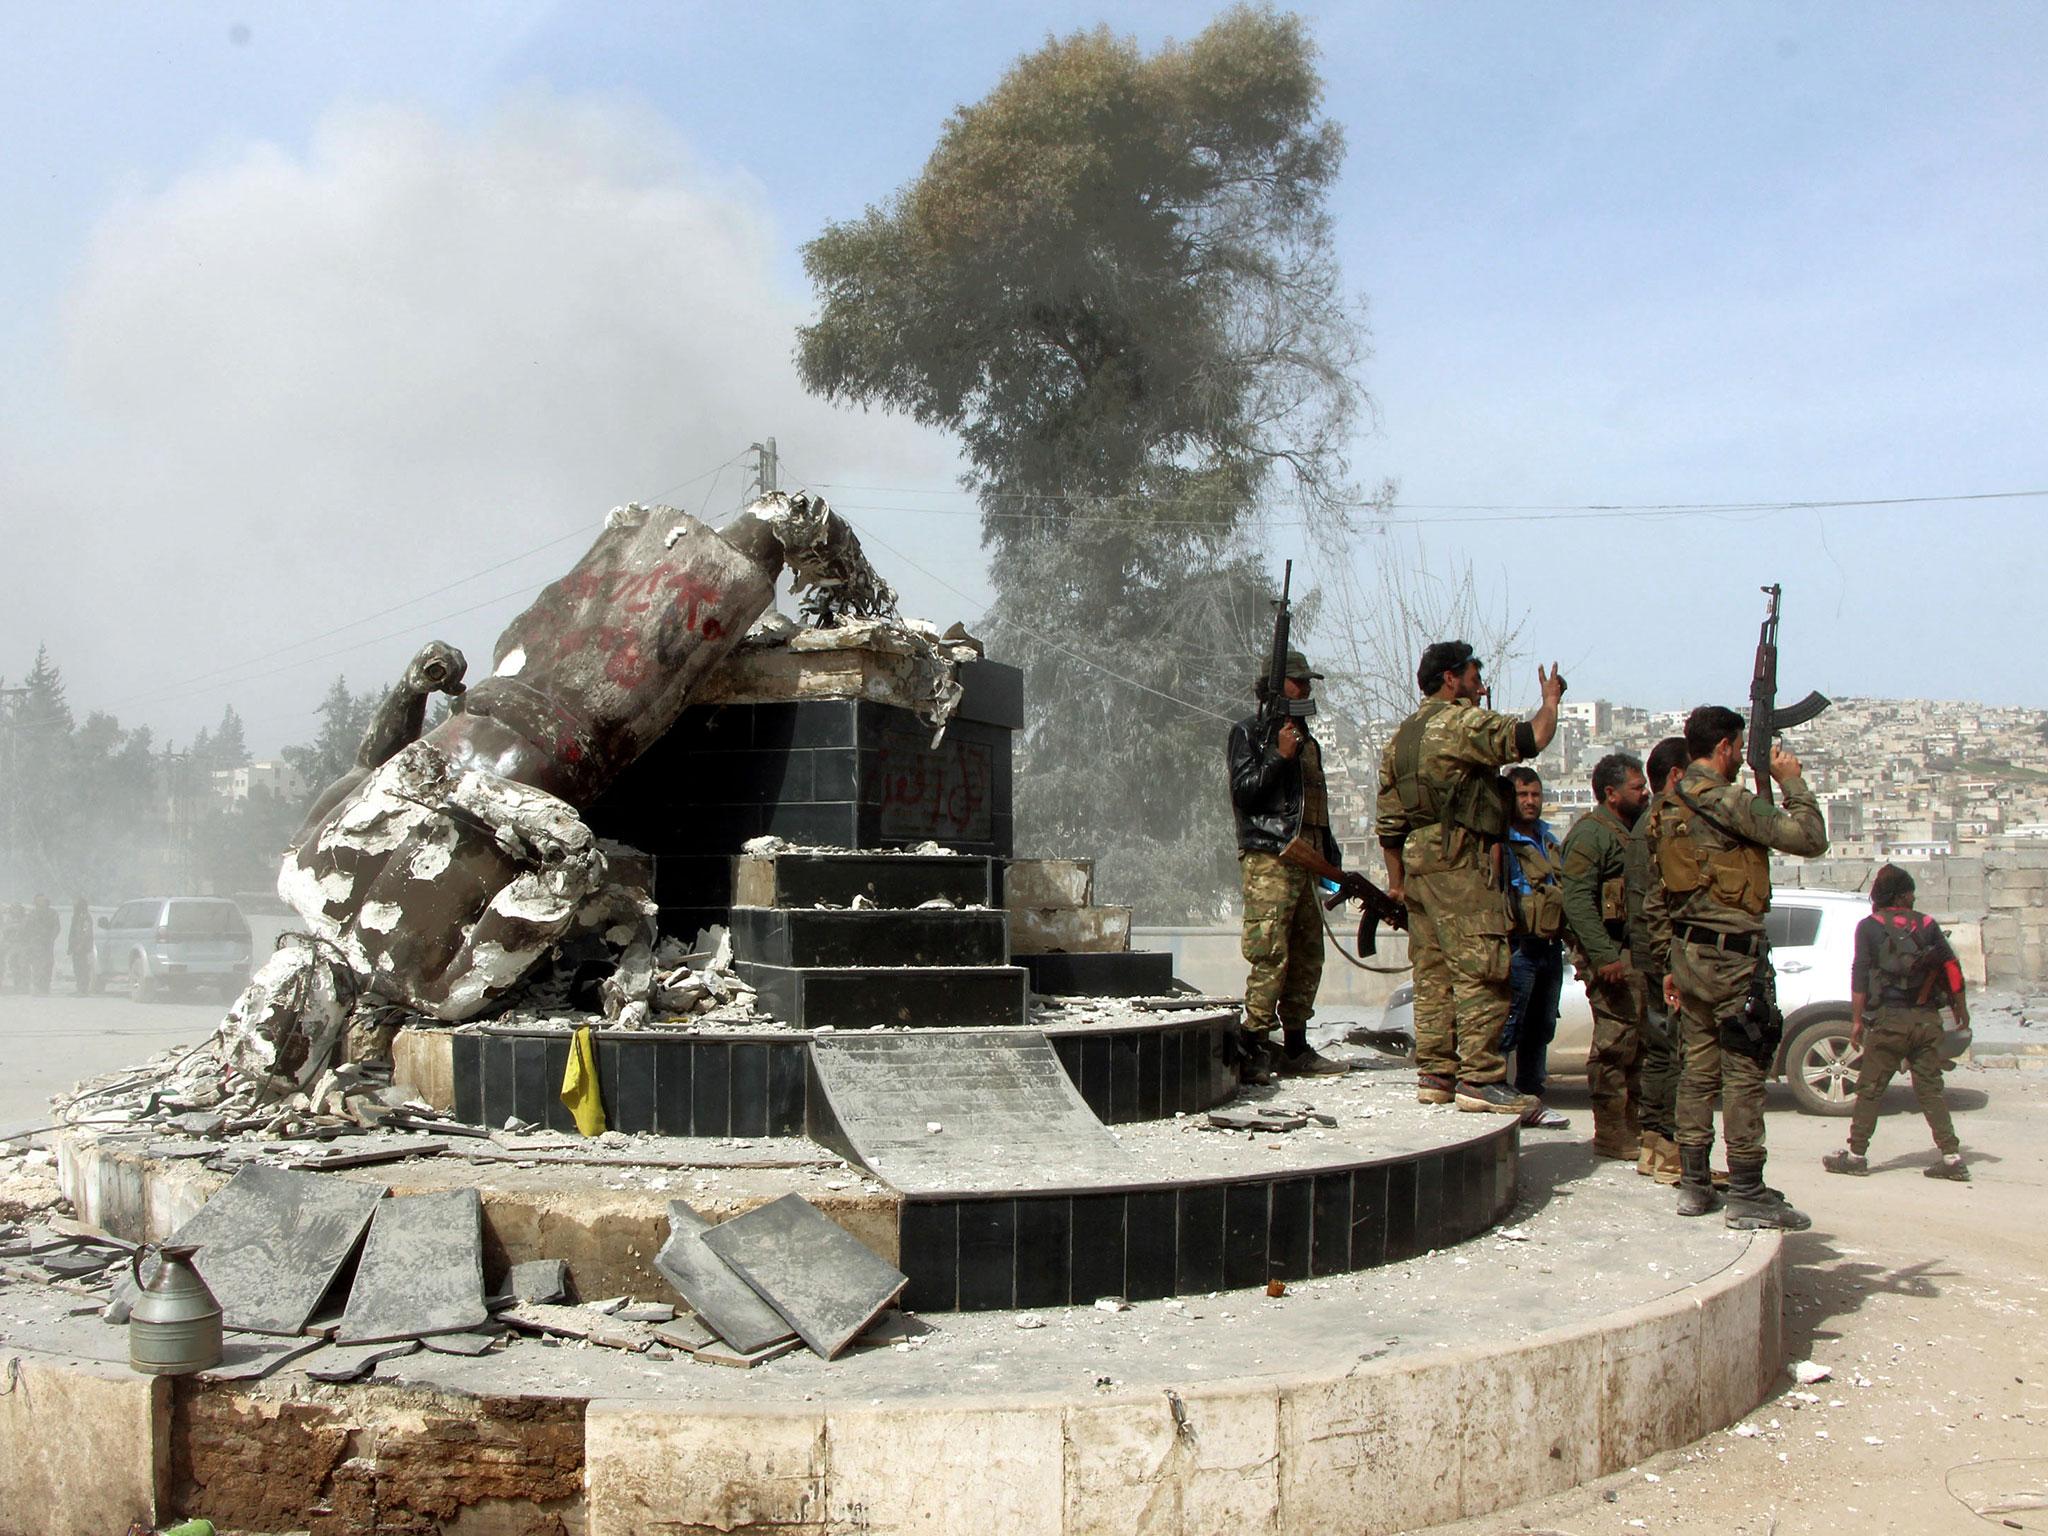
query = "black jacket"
x=1265 y=792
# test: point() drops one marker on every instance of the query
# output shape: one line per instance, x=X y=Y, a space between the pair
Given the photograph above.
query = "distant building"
x=273 y=777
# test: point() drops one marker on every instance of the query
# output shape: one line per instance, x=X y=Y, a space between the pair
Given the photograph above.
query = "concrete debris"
x=1807 y=1372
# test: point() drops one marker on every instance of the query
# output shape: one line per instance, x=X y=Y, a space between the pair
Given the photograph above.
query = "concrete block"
x=1048 y=883
x=1531 y=1421
x=423 y=1064
x=1069 y=930
x=83 y=1446
x=1372 y=1453
x=660 y=1469
x=944 y=1467
x=1648 y=1398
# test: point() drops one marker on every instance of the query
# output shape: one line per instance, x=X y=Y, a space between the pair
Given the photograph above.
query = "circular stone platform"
x=1593 y=1330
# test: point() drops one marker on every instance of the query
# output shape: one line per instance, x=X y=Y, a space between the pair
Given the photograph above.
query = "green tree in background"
x=1113 y=279
x=343 y=718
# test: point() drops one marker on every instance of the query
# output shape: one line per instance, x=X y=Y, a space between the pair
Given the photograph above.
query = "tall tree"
x=1113 y=279
x=343 y=718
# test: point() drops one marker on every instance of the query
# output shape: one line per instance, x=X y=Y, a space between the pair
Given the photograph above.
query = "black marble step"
x=1125 y=973
x=993 y=1252
x=650 y=1081
x=812 y=937
x=859 y=997
x=1153 y=1072
x=834 y=879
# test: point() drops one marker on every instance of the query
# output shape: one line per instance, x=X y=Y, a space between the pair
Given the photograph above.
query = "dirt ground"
x=1928 y=1303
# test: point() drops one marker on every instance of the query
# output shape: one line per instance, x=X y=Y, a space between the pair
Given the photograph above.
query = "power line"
x=1492 y=512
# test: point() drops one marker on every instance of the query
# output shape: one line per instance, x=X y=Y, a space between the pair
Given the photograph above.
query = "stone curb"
x=1384 y=1446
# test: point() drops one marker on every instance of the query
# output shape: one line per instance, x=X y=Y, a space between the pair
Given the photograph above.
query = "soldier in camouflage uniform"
x=1277 y=793
x=1441 y=820
x=1713 y=840
x=1649 y=946
x=1596 y=909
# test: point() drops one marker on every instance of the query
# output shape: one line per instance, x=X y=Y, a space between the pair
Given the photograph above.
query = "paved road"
x=49 y=1043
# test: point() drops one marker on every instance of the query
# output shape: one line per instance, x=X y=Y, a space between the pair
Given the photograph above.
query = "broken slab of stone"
x=544 y=1280
x=272 y=1242
x=719 y=1297
x=352 y=1362
x=1239 y=1117
x=422 y=1270
x=577 y=1323
x=822 y=1279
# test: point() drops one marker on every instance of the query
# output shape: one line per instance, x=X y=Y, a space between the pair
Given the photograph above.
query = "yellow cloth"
x=579 y=1085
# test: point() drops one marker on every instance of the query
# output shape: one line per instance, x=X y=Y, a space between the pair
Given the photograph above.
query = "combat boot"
x=1753 y=1204
x=1696 y=1194
x=1666 y=1170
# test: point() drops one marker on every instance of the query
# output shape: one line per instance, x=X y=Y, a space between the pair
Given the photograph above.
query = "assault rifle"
x=1275 y=707
x=1765 y=718
x=1351 y=886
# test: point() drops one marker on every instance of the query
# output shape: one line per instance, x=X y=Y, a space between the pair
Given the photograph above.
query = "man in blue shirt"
x=1534 y=866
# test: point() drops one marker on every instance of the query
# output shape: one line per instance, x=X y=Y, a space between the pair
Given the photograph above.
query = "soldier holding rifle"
x=1441 y=820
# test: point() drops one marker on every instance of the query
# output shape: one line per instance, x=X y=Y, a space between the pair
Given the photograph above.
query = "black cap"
x=1444 y=656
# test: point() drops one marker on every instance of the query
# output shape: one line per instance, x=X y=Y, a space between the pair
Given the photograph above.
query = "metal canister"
x=174 y=1326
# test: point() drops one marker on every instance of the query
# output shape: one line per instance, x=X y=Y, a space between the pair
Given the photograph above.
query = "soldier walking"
x=1442 y=817
x=1713 y=842
x=1277 y=793
x=1649 y=946
x=1596 y=906
x=1903 y=971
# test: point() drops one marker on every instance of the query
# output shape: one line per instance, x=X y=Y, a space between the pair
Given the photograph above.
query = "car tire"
x=140 y=988
x=1821 y=1065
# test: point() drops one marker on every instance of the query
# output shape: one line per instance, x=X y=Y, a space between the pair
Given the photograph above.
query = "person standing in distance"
x=1713 y=842
x=1596 y=907
x=1903 y=972
x=1277 y=793
x=1533 y=865
x=1442 y=817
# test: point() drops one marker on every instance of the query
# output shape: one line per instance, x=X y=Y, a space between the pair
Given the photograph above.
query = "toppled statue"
x=444 y=866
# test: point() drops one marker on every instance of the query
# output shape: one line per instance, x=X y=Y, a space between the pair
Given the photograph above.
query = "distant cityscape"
x=1902 y=779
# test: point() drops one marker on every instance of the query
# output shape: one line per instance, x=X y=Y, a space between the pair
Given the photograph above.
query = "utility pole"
x=764 y=466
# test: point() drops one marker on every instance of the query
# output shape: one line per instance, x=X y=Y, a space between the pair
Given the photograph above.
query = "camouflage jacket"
x=1711 y=842
x=1596 y=884
x=1460 y=741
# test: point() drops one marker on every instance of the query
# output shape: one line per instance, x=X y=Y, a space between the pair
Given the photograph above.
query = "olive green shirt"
x=1739 y=818
x=1595 y=852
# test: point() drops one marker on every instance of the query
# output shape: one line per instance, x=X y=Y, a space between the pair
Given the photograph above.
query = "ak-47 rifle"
x=1351 y=886
x=1765 y=718
x=1275 y=709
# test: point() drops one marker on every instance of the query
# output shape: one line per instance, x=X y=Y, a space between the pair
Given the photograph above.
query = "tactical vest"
x=1473 y=800
x=1542 y=907
x=1737 y=876
x=1905 y=961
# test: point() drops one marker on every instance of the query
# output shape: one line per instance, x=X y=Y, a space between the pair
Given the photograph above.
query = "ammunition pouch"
x=1737 y=876
x=1538 y=913
x=1614 y=900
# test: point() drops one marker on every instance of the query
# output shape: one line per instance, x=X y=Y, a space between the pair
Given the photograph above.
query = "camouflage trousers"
x=1895 y=1037
x=1712 y=984
x=1458 y=944
x=1614 y=1063
x=1283 y=943
x=1658 y=1109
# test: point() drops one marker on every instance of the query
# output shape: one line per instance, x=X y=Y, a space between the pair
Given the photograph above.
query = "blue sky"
x=404 y=291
